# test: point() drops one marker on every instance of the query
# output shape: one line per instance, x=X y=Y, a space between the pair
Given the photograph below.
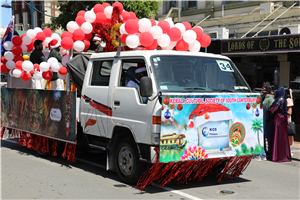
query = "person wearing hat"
x=55 y=84
x=99 y=43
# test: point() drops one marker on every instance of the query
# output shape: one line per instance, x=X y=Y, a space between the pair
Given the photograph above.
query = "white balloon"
x=108 y=11
x=55 y=36
x=170 y=46
x=26 y=40
x=181 y=27
x=46 y=41
x=87 y=27
x=144 y=25
x=189 y=36
x=24 y=48
x=38 y=75
x=79 y=46
x=156 y=31
x=132 y=41
x=65 y=59
x=170 y=22
x=55 y=66
x=27 y=65
x=156 y=22
x=44 y=66
x=10 y=64
x=9 y=55
x=122 y=29
x=72 y=26
x=52 y=60
x=90 y=16
x=62 y=76
x=16 y=73
x=37 y=29
x=62 y=51
x=8 y=45
x=31 y=33
x=195 y=47
x=164 y=40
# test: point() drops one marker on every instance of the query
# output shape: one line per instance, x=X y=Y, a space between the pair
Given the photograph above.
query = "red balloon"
x=153 y=45
x=63 y=71
x=47 y=32
x=3 y=60
x=40 y=36
x=123 y=38
x=36 y=66
x=182 y=45
x=86 y=44
x=108 y=21
x=16 y=50
x=66 y=34
x=187 y=25
x=146 y=39
x=118 y=4
x=98 y=8
x=125 y=16
x=17 y=41
x=29 y=48
x=132 y=15
x=81 y=13
x=79 y=20
x=32 y=72
x=67 y=43
x=25 y=76
x=100 y=17
x=18 y=58
x=88 y=36
x=199 y=33
x=23 y=35
x=153 y=23
x=47 y=75
x=131 y=26
x=205 y=41
x=19 y=65
x=4 y=69
x=175 y=34
x=105 y=5
x=78 y=34
x=165 y=26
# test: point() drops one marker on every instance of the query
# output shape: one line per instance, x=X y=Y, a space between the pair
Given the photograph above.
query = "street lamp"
x=6 y=5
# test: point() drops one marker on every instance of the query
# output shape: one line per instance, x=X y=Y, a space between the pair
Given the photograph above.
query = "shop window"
x=192 y=4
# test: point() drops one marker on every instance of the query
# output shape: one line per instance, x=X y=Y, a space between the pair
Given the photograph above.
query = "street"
x=25 y=175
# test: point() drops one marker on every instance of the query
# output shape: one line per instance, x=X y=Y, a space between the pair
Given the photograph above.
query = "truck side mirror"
x=146 y=87
x=276 y=79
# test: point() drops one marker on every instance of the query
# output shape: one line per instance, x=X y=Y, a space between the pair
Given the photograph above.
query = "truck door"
x=94 y=109
x=129 y=108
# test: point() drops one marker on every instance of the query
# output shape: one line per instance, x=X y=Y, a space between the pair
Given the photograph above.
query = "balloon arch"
x=112 y=23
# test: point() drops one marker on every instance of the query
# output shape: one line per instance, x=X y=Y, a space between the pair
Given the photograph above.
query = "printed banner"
x=210 y=126
x=49 y=113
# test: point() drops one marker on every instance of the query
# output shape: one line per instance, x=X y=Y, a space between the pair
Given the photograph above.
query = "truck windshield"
x=193 y=73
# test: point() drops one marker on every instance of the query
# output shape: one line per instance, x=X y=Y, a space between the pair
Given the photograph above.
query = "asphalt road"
x=25 y=175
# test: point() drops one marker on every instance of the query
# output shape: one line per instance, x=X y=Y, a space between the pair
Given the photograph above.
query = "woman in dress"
x=279 y=150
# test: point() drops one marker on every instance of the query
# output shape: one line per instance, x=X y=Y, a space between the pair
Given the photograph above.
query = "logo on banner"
x=55 y=114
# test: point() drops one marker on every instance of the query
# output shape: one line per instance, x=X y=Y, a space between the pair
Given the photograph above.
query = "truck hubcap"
x=125 y=161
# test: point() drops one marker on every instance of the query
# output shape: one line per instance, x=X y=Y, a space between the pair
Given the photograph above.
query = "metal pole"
x=31 y=7
x=273 y=20
x=202 y=20
x=261 y=21
x=68 y=75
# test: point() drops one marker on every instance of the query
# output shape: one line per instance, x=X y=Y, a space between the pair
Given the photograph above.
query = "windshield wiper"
x=225 y=90
x=194 y=88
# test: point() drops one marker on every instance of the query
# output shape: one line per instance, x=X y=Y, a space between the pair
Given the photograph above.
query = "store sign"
x=262 y=44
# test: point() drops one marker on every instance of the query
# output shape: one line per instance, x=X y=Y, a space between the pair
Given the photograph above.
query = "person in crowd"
x=290 y=104
x=99 y=43
x=279 y=148
x=55 y=84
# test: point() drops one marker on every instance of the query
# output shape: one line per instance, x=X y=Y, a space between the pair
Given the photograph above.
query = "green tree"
x=69 y=9
x=257 y=126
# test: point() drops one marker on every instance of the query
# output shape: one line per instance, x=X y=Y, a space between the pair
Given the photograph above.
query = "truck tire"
x=127 y=159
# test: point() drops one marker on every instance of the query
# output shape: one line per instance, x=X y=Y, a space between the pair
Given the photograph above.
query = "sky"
x=6 y=13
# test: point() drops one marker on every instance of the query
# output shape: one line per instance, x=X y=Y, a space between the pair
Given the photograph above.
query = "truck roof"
x=156 y=52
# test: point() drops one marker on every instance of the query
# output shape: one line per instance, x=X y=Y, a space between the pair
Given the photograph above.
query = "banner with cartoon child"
x=210 y=126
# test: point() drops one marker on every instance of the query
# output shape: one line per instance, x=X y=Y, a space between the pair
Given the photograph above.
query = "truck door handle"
x=116 y=103
x=87 y=100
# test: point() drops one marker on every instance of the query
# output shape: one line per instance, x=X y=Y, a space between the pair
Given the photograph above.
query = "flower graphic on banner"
x=194 y=153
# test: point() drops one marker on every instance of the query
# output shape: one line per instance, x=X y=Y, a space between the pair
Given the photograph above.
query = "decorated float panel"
x=204 y=126
x=50 y=113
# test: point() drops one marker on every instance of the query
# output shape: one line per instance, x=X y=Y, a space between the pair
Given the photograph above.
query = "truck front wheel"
x=128 y=163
